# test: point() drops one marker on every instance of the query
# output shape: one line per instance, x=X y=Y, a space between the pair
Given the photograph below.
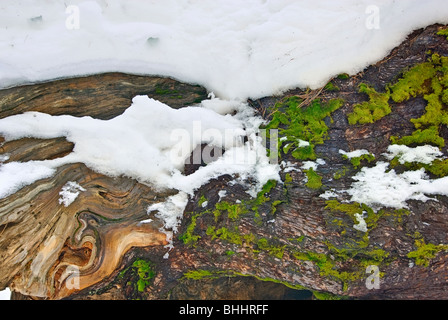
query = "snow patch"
x=377 y=187
x=362 y=225
x=69 y=192
x=422 y=154
x=354 y=154
x=171 y=210
x=16 y=175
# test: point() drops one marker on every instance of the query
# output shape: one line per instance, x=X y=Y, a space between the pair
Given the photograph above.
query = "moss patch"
x=314 y=179
x=429 y=79
x=370 y=111
x=425 y=252
x=297 y=123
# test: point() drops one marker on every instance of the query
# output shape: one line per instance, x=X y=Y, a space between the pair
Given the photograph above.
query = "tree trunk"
x=291 y=238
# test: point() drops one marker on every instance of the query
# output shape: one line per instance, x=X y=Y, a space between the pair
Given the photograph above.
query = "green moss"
x=225 y=234
x=438 y=167
x=165 y=91
x=429 y=79
x=201 y=274
x=349 y=208
x=277 y=251
x=340 y=173
x=421 y=137
x=443 y=32
x=356 y=161
x=288 y=179
x=330 y=86
x=326 y=296
x=370 y=111
x=188 y=237
x=234 y=211
x=314 y=179
x=302 y=123
x=414 y=82
x=202 y=200
x=425 y=252
x=145 y=273
x=343 y=76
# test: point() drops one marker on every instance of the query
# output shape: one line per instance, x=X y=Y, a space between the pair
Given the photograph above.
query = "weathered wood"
x=40 y=239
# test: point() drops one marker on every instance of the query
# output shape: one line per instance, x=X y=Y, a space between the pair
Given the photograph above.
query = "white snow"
x=303 y=143
x=362 y=225
x=69 y=192
x=328 y=194
x=4 y=157
x=422 y=154
x=222 y=194
x=15 y=175
x=354 y=153
x=237 y=49
x=5 y=294
x=377 y=188
x=171 y=210
x=149 y=142
x=306 y=165
x=288 y=166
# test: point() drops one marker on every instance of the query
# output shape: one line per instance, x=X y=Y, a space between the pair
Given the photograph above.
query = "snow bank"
x=237 y=49
x=149 y=142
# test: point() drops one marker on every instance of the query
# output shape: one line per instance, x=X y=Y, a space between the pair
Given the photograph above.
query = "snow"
x=328 y=194
x=16 y=175
x=354 y=153
x=171 y=210
x=237 y=49
x=69 y=192
x=422 y=154
x=149 y=142
x=312 y=164
x=288 y=166
x=378 y=187
x=222 y=194
x=5 y=294
x=362 y=225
